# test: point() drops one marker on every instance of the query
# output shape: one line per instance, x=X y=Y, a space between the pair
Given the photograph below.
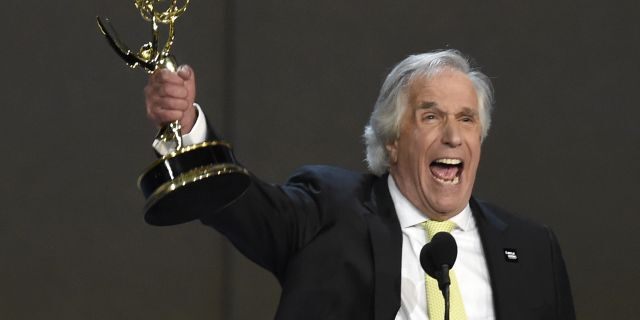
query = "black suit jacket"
x=333 y=240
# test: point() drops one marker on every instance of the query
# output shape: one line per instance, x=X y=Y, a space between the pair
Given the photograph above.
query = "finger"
x=169 y=104
x=171 y=91
x=165 y=76
x=153 y=90
x=165 y=116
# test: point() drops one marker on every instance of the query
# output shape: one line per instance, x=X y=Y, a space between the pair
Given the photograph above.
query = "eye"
x=468 y=119
x=429 y=117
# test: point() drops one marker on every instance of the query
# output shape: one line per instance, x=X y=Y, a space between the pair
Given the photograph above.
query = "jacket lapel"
x=492 y=231
x=386 y=241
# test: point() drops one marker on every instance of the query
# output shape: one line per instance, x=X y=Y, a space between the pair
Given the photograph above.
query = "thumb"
x=188 y=75
x=185 y=72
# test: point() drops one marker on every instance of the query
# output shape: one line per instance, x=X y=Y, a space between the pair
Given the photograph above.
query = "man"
x=345 y=245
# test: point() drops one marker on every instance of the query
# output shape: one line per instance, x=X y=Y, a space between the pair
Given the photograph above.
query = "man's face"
x=435 y=158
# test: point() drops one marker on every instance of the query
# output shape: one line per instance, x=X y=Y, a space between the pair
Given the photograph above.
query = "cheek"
x=416 y=146
x=475 y=161
x=473 y=140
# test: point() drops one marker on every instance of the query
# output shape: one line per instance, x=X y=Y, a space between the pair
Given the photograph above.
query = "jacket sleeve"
x=564 y=298
x=269 y=223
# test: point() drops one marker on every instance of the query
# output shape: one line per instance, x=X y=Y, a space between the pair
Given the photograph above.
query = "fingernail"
x=185 y=69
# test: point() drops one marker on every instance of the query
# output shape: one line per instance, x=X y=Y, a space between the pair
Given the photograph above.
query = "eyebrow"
x=469 y=111
x=434 y=105
x=427 y=105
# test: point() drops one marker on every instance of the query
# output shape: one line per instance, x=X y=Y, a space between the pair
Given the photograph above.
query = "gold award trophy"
x=190 y=180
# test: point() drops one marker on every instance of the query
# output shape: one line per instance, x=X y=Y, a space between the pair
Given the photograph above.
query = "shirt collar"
x=409 y=215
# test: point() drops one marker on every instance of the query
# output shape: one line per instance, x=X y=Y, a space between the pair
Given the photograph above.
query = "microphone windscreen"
x=442 y=249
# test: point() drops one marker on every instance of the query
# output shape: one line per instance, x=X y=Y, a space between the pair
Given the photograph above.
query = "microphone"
x=441 y=250
x=437 y=258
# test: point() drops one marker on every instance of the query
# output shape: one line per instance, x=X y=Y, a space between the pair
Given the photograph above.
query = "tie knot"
x=434 y=227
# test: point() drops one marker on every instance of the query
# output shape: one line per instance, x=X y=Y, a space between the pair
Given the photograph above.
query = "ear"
x=392 y=150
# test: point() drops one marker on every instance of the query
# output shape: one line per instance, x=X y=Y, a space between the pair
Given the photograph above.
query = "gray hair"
x=385 y=121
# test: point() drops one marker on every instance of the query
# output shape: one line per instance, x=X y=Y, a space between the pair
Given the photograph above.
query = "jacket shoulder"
x=503 y=218
x=330 y=180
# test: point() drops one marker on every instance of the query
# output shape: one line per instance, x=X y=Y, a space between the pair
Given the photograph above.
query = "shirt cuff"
x=197 y=135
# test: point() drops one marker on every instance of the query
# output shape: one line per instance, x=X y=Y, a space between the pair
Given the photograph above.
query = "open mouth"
x=446 y=170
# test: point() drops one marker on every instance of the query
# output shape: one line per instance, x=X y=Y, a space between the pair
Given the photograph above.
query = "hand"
x=169 y=96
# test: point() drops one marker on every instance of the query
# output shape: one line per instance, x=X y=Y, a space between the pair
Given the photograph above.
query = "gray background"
x=292 y=83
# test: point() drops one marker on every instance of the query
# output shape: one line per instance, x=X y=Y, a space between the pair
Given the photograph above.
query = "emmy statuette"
x=190 y=180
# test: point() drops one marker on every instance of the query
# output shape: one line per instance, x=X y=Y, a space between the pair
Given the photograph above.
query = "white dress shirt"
x=470 y=266
x=197 y=134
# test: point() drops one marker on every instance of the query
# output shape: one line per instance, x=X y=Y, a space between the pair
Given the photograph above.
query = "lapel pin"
x=510 y=255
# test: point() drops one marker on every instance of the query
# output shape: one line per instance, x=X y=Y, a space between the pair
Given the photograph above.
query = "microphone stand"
x=443 y=284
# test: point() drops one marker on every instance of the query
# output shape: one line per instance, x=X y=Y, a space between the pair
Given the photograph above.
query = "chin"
x=449 y=205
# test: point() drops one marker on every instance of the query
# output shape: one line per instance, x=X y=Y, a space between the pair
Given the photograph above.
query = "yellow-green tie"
x=435 y=301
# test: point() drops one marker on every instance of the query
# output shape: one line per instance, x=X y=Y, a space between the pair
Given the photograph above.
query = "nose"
x=451 y=134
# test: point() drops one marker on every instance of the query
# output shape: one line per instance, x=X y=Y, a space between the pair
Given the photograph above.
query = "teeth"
x=449 y=161
x=455 y=180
